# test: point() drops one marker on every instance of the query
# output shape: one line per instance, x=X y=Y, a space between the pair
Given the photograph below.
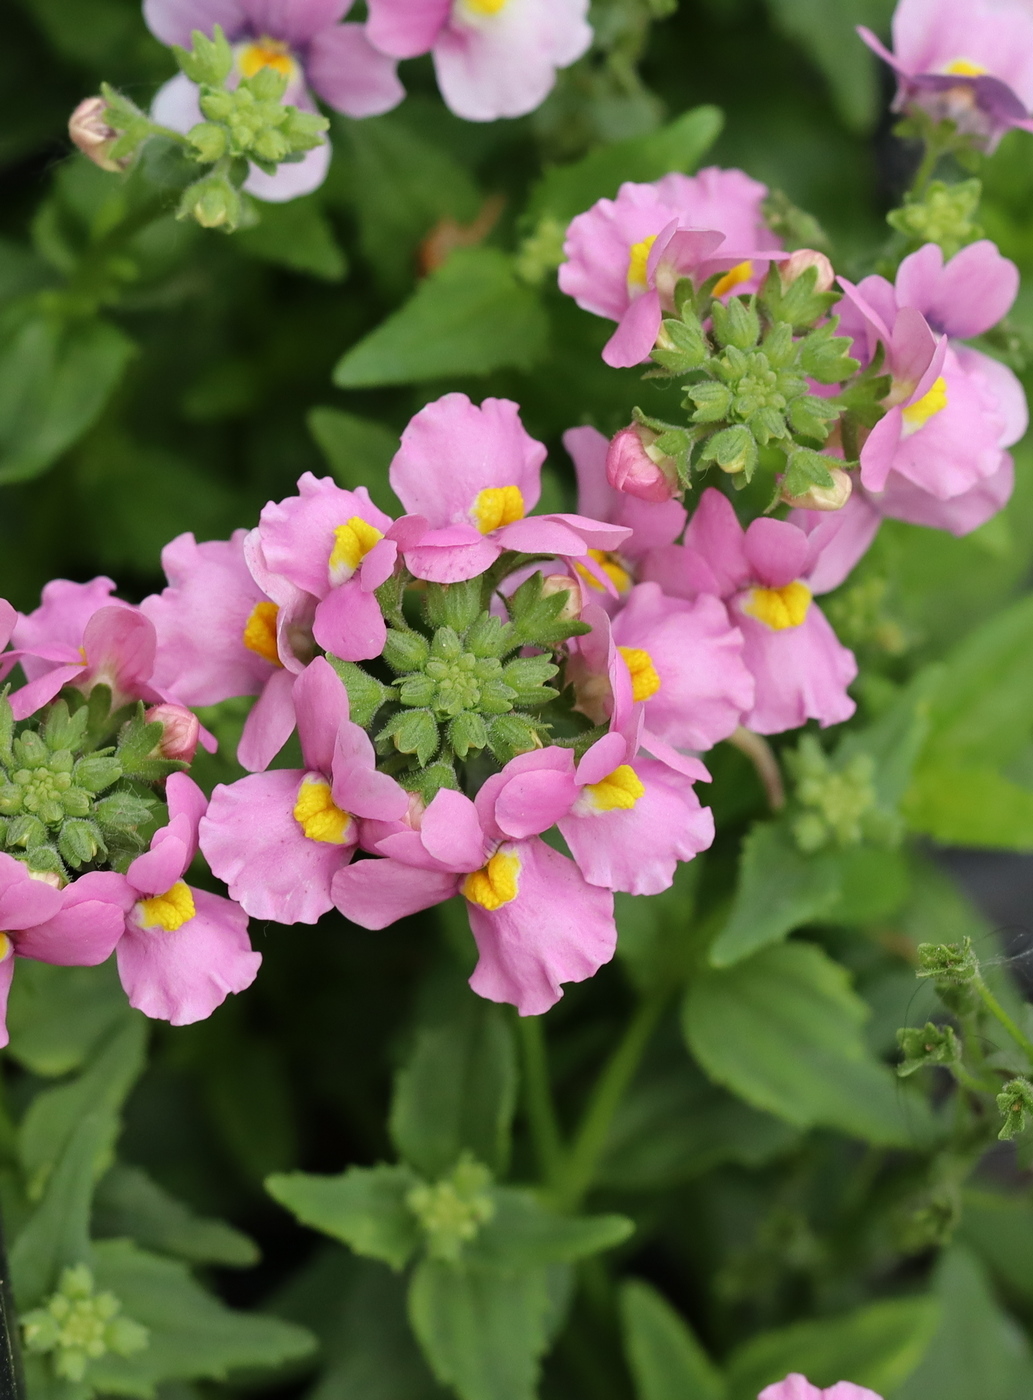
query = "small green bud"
x=26 y=831
x=467 y=731
x=96 y=772
x=30 y=750
x=210 y=62
x=455 y=605
x=78 y=1325
x=11 y=795
x=509 y=735
x=1015 y=1102
x=80 y=842
x=713 y=401
x=736 y=323
x=541 y=252
x=733 y=450
x=267 y=85
x=213 y=202
x=927 y=1045
x=823 y=355
x=406 y=651
x=209 y=140
x=680 y=346
x=452 y=1211
x=948 y=962
x=412 y=732
x=430 y=780
x=527 y=675
x=446 y=645
x=123 y=810
x=943 y=216
x=6 y=728
x=44 y=860
x=366 y=694
x=417 y=691
x=486 y=636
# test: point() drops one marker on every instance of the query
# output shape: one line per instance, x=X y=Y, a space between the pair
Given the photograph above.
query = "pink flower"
x=181 y=731
x=969 y=61
x=277 y=839
x=221 y=634
x=470 y=475
x=493 y=58
x=625 y=256
x=77 y=926
x=627 y=821
x=767 y=576
x=333 y=545
x=938 y=456
x=299 y=38
x=797 y=1387
x=8 y=621
x=183 y=950
x=536 y=921
x=633 y=470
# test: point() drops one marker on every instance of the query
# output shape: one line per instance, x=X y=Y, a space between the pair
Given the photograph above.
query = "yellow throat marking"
x=928 y=406
x=964 y=68
x=616 y=573
x=168 y=911
x=486 y=7
x=496 y=884
x=638 y=264
x=645 y=681
x=317 y=814
x=260 y=632
x=6 y=947
x=352 y=542
x=734 y=277
x=496 y=506
x=265 y=53
x=617 y=792
x=779 y=608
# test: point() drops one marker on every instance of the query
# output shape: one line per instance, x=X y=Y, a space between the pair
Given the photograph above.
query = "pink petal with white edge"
x=349 y=74
x=375 y=893
x=801 y=673
x=252 y=843
x=321 y=704
x=269 y=725
x=86 y=928
x=406 y=28
x=558 y=929
x=182 y=976
x=349 y=623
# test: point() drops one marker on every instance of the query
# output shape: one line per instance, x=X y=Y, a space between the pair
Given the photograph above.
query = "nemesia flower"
x=634 y=470
x=767 y=576
x=277 y=839
x=221 y=634
x=797 y=1387
x=181 y=731
x=77 y=926
x=469 y=476
x=536 y=921
x=301 y=39
x=493 y=58
x=183 y=950
x=624 y=256
x=967 y=61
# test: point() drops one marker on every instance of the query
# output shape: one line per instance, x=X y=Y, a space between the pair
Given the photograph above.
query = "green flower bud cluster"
x=252 y=123
x=745 y=365
x=839 y=803
x=452 y=1211
x=927 y=1045
x=458 y=687
x=860 y=617
x=67 y=805
x=78 y=1325
x=943 y=215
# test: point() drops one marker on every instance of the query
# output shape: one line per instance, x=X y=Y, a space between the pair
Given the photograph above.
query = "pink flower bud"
x=89 y=130
x=181 y=732
x=634 y=466
x=798 y=264
x=832 y=497
x=563 y=583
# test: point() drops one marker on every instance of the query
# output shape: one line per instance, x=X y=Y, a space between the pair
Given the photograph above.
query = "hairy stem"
x=996 y=1009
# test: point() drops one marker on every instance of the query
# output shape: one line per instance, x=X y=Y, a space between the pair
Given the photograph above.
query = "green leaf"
x=970 y=806
x=297 y=235
x=192 y=1335
x=458 y=1092
x=523 y=1233
x=53 y=1115
x=873 y=884
x=128 y=1204
x=666 y=1360
x=359 y=451
x=999 y=1229
x=877 y=1346
x=826 y=33
x=482 y=1332
x=566 y=190
x=364 y=1207
x=55 y=379
x=470 y=316
x=57 y=1015
x=658 y=938
x=782 y=1030
x=977 y=1348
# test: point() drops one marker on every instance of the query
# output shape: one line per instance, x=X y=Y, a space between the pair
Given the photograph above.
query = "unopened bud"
x=181 y=731
x=634 y=466
x=832 y=497
x=563 y=583
x=213 y=202
x=88 y=128
x=804 y=258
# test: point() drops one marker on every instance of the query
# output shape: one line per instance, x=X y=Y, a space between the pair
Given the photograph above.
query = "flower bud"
x=634 y=466
x=88 y=128
x=798 y=264
x=213 y=202
x=832 y=497
x=563 y=583
x=180 y=733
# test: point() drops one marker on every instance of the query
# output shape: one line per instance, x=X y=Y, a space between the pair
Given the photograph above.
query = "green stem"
x=996 y=1009
x=538 y=1099
x=927 y=169
x=583 y=1160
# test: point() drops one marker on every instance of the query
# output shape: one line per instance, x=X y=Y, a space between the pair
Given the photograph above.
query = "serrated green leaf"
x=58 y=1015
x=364 y=1208
x=128 y=1204
x=296 y=234
x=523 y=1234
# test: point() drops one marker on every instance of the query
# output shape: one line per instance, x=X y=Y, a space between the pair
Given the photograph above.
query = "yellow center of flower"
x=317 y=814
x=260 y=632
x=928 y=406
x=644 y=679
x=496 y=884
x=734 y=277
x=779 y=608
x=486 y=7
x=618 y=792
x=6 y=947
x=496 y=506
x=169 y=911
x=265 y=53
x=615 y=572
x=638 y=264
x=352 y=542
x=965 y=68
